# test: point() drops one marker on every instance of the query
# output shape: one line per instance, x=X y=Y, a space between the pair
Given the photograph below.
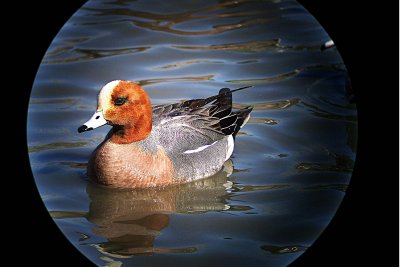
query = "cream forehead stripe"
x=105 y=95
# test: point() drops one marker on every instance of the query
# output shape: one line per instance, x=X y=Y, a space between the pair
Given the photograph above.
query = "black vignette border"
x=340 y=242
x=357 y=234
x=33 y=27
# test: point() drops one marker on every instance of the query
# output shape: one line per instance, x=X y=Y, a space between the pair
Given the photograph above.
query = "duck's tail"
x=230 y=121
x=243 y=116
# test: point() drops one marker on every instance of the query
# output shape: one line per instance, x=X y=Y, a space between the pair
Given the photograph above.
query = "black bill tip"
x=84 y=128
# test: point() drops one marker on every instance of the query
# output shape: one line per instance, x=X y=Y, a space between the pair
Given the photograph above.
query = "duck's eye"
x=119 y=101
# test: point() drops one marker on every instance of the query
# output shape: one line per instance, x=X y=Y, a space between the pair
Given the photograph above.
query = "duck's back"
x=197 y=137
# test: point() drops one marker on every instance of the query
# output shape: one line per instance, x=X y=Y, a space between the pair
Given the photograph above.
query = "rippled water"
x=292 y=161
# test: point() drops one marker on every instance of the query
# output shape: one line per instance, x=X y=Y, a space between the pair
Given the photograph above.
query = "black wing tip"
x=242 y=88
x=226 y=90
x=250 y=109
x=245 y=110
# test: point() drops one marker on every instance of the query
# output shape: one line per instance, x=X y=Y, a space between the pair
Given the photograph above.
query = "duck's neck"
x=131 y=133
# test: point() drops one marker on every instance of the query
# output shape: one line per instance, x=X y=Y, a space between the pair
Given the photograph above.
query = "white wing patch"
x=231 y=145
x=198 y=149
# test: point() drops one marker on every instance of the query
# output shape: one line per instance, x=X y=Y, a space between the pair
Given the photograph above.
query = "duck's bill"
x=95 y=121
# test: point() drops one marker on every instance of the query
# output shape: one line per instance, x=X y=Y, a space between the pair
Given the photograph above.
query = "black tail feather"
x=230 y=121
x=195 y=103
x=222 y=106
x=243 y=115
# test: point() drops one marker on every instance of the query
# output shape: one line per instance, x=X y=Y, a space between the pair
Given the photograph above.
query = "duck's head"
x=125 y=106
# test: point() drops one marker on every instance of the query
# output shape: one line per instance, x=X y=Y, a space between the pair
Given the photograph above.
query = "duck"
x=157 y=146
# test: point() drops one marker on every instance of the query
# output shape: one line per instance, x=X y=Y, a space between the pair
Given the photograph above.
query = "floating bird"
x=161 y=145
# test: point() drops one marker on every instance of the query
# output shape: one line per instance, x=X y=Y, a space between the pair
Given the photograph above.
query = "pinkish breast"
x=127 y=166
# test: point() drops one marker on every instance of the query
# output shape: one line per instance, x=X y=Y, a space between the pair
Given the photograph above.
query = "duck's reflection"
x=130 y=220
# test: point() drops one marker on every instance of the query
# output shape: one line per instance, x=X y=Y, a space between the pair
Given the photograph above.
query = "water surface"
x=292 y=162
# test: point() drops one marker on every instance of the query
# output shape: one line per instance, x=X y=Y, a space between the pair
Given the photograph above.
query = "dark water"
x=292 y=161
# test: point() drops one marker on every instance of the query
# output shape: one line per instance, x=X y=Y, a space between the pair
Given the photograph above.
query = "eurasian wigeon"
x=161 y=145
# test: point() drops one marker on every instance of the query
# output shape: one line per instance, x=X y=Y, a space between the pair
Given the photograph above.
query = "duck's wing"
x=197 y=123
x=223 y=100
x=182 y=133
